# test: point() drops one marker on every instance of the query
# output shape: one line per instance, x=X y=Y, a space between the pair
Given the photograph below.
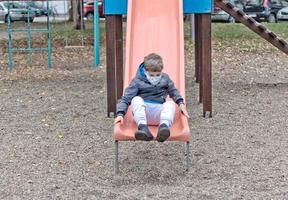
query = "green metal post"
x=96 y=34
x=10 y=40
x=29 y=37
x=1 y=57
x=49 y=35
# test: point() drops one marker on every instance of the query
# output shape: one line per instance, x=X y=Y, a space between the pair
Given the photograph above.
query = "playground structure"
x=148 y=30
x=29 y=30
x=203 y=66
x=114 y=42
x=95 y=30
x=158 y=29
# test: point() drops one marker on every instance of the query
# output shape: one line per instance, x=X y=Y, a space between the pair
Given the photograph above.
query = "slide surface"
x=155 y=26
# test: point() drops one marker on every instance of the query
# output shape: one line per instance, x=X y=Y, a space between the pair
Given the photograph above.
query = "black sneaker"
x=143 y=133
x=163 y=133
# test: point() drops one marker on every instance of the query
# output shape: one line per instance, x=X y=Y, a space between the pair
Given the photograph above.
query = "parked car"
x=283 y=14
x=17 y=12
x=264 y=10
x=39 y=8
x=89 y=9
x=26 y=5
x=220 y=15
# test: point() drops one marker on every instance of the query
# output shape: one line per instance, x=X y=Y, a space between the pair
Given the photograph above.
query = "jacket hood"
x=141 y=72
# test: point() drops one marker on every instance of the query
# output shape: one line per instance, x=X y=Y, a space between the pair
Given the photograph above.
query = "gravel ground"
x=56 y=142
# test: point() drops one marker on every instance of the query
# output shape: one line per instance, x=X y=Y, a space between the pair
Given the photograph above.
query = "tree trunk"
x=70 y=11
x=77 y=14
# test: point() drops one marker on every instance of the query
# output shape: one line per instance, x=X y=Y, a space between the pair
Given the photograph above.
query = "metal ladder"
x=29 y=30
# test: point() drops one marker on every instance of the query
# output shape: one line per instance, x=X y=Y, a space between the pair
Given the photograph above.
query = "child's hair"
x=153 y=62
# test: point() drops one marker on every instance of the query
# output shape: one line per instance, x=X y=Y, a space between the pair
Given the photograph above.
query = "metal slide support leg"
x=188 y=160
x=1 y=57
x=116 y=157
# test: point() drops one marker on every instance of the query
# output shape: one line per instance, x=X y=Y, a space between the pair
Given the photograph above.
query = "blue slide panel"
x=197 y=6
x=114 y=7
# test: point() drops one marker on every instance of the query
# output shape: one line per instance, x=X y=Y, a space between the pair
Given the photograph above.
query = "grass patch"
x=240 y=31
x=65 y=31
x=238 y=36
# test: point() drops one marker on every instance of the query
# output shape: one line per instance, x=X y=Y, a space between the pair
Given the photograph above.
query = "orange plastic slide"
x=155 y=26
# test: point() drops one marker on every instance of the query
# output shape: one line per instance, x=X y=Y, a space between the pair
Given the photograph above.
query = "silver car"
x=17 y=12
x=221 y=15
x=283 y=14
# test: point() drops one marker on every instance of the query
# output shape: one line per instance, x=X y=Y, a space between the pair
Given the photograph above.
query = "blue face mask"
x=154 y=80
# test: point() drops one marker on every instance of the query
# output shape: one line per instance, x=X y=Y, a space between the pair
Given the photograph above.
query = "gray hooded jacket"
x=140 y=86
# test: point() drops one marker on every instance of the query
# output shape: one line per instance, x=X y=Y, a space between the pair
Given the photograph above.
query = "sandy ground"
x=56 y=141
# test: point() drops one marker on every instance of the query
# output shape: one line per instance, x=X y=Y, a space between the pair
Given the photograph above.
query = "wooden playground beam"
x=114 y=61
x=206 y=71
x=197 y=49
x=203 y=59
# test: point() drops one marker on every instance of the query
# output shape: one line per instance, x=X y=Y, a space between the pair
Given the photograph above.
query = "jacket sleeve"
x=174 y=93
x=130 y=92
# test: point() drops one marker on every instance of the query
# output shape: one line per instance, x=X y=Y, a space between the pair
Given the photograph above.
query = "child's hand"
x=184 y=110
x=119 y=119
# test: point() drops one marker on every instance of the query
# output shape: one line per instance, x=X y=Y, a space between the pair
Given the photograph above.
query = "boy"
x=147 y=94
